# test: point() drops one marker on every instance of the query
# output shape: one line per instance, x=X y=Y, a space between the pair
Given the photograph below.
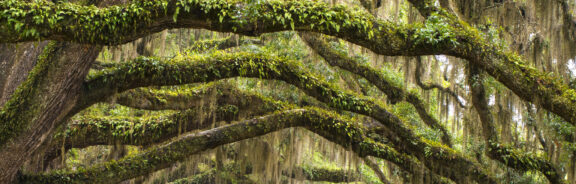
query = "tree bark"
x=41 y=102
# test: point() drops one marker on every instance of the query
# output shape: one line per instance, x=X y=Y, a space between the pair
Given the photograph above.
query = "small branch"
x=430 y=86
x=374 y=166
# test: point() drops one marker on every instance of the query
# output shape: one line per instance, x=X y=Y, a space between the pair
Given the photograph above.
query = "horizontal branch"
x=149 y=71
x=445 y=34
x=218 y=93
x=309 y=174
x=326 y=124
x=120 y=24
x=228 y=104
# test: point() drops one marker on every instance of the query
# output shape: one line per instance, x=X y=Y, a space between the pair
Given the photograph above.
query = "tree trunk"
x=43 y=100
x=16 y=61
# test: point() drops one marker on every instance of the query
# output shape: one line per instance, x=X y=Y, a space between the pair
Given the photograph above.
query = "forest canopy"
x=287 y=91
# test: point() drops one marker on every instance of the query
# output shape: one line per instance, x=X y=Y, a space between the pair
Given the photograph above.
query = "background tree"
x=415 y=91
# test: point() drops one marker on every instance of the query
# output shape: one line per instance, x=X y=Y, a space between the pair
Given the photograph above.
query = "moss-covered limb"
x=429 y=86
x=309 y=174
x=183 y=99
x=327 y=124
x=442 y=34
x=229 y=173
x=167 y=154
x=143 y=72
x=209 y=177
x=229 y=105
x=511 y=157
x=394 y=91
x=120 y=24
x=510 y=69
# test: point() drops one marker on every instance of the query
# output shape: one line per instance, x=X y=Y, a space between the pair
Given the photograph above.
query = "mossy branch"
x=150 y=71
x=223 y=93
x=510 y=157
x=229 y=103
x=325 y=123
x=120 y=24
x=394 y=91
x=510 y=69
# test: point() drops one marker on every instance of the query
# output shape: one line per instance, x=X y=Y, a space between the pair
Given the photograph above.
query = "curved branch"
x=229 y=104
x=511 y=157
x=221 y=92
x=324 y=123
x=394 y=92
x=528 y=83
x=147 y=72
x=69 y=22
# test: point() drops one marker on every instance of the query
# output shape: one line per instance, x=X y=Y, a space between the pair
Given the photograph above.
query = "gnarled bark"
x=42 y=101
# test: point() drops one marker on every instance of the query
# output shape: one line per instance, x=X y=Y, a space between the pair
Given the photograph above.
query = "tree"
x=46 y=85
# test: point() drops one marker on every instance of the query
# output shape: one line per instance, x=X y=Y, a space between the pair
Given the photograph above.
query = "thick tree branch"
x=146 y=72
x=326 y=124
x=509 y=156
x=229 y=103
x=508 y=68
x=221 y=93
x=65 y=21
x=394 y=92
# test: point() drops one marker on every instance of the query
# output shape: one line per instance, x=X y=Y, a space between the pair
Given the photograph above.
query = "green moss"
x=21 y=109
